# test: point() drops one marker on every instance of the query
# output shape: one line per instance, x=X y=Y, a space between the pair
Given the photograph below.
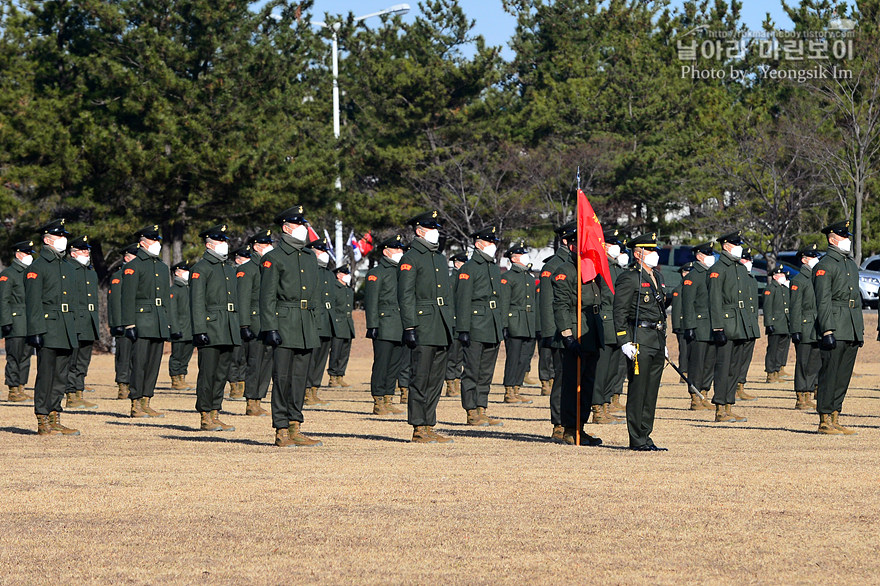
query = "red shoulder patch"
x=820 y=272
x=114 y=282
x=560 y=277
x=546 y=274
x=688 y=282
x=4 y=278
x=372 y=278
x=794 y=287
x=713 y=275
x=196 y=275
x=239 y=274
x=32 y=275
x=503 y=281
x=646 y=284
x=405 y=267
x=463 y=276
x=267 y=264
x=675 y=293
x=128 y=272
x=172 y=295
x=767 y=292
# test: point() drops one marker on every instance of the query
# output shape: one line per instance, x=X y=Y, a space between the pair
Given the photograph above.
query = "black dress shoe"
x=658 y=449
x=645 y=448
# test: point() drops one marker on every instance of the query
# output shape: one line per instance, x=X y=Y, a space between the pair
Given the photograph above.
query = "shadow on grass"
x=216 y=439
x=496 y=433
x=18 y=430
x=141 y=421
x=738 y=426
x=371 y=437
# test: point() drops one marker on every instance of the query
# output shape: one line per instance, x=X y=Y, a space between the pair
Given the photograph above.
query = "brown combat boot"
x=44 y=427
x=189 y=386
x=450 y=387
x=282 y=438
x=72 y=402
x=800 y=403
x=145 y=407
x=441 y=439
x=772 y=377
x=16 y=395
x=55 y=422
x=137 y=409
x=473 y=418
x=318 y=400
x=599 y=415
x=485 y=417
x=21 y=393
x=556 y=436
x=379 y=406
x=309 y=400
x=741 y=393
x=254 y=409
x=215 y=415
x=529 y=380
x=835 y=423
x=736 y=417
x=616 y=405
x=299 y=439
x=697 y=404
x=721 y=415
x=545 y=388
x=457 y=387
x=707 y=402
x=236 y=391
x=177 y=383
x=404 y=394
x=808 y=400
x=85 y=404
x=783 y=375
x=522 y=399
x=122 y=394
x=569 y=436
x=421 y=435
x=825 y=426
x=389 y=406
x=207 y=422
x=334 y=382
x=614 y=418
x=343 y=383
x=510 y=395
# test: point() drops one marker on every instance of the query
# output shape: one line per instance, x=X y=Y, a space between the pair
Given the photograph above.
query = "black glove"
x=117 y=331
x=861 y=343
x=36 y=341
x=538 y=335
x=690 y=335
x=465 y=339
x=201 y=340
x=373 y=333
x=828 y=342
x=247 y=334
x=272 y=338
x=770 y=330
x=719 y=338
x=547 y=342
x=505 y=333
x=410 y=338
x=796 y=337
x=571 y=344
x=176 y=335
x=132 y=333
x=6 y=330
x=878 y=336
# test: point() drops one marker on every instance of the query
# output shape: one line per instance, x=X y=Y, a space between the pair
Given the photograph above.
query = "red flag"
x=591 y=243
x=312 y=234
x=365 y=244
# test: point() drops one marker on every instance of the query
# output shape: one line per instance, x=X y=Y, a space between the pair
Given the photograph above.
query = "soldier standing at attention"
x=520 y=305
x=545 y=360
x=244 y=273
x=753 y=327
x=696 y=325
x=677 y=329
x=840 y=323
x=803 y=330
x=383 y=325
x=85 y=301
x=290 y=291
x=479 y=324
x=455 y=365
x=342 y=300
x=260 y=357
x=146 y=284
x=182 y=339
x=424 y=294
x=776 y=326
x=640 y=319
x=51 y=326
x=13 y=320
x=216 y=328
x=325 y=329
x=122 y=357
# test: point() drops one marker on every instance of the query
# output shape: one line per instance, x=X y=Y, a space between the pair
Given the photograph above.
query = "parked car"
x=869 y=275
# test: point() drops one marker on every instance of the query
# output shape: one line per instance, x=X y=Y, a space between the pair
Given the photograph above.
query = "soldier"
x=803 y=329
x=696 y=325
x=122 y=358
x=85 y=300
x=245 y=270
x=520 y=305
x=146 y=292
x=290 y=290
x=342 y=300
x=51 y=326
x=753 y=328
x=424 y=294
x=215 y=325
x=182 y=339
x=260 y=357
x=731 y=323
x=623 y=262
x=455 y=365
x=683 y=358
x=545 y=360
x=640 y=319
x=383 y=325
x=479 y=324
x=325 y=329
x=13 y=319
x=776 y=326
x=840 y=323
x=586 y=348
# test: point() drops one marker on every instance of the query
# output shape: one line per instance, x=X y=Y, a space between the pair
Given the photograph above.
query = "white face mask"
x=346 y=279
x=266 y=250
x=490 y=249
x=748 y=265
x=708 y=261
x=323 y=258
x=779 y=279
x=83 y=260
x=222 y=248
x=623 y=260
x=185 y=275
x=300 y=233
x=845 y=244
x=613 y=250
x=432 y=236
x=812 y=261
x=26 y=260
x=736 y=251
x=395 y=258
x=525 y=260
x=652 y=259
x=60 y=244
x=155 y=248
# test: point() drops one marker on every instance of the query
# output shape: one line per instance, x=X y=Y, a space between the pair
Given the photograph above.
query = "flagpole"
x=577 y=433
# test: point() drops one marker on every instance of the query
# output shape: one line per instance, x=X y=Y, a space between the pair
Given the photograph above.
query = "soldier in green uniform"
x=215 y=324
x=839 y=322
x=13 y=320
x=753 y=328
x=640 y=302
x=731 y=323
x=677 y=329
x=146 y=284
x=519 y=303
x=383 y=324
x=776 y=326
x=182 y=339
x=258 y=372
x=803 y=329
x=545 y=360
x=325 y=329
x=85 y=302
x=583 y=349
x=122 y=352
x=424 y=294
x=290 y=289
x=623 y=262
x=696 y=325
x=455 y=364
x=245 y=270
x=479 y=324
x=51 y=326
x=342 y=300
x=608 y=365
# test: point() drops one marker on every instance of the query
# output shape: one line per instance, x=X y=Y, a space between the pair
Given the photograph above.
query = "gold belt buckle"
x=741 y=304
x=852 y=303
x=492 y=304
x=91 y=307
x=158 y=302
x=440 y=302
x=65 y=308
x=528 y=308
x=596 y=309
x=230 y=307
x=303 y=303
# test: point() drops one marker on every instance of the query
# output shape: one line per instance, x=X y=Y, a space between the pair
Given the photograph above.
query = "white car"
x=869 y=280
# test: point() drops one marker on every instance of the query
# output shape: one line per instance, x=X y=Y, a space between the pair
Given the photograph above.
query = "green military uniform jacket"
x=676 y=309
x=803 y=305
x=695 y=303
x=424 y=294
x=12 y=302
x=519 y=301
x=838 y=301
x=729 y=291
x=753 y=328
x=146 y=293
x=290 y=290
x=565 y=306
x=380 y=301
x=537 y=309
x=776 y=307
x=247 y=278
x=86 y=301
x=180 y=309
x=478 y=308
x=340 y=312
x=545 y=298
x=49 y=286
x=637 y=297
x=453 y=278
x=325 y=306
x=213 y=299
x=114 y=297
x=607 y=310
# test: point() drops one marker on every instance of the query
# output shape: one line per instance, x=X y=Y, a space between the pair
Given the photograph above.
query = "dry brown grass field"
x=133 y=501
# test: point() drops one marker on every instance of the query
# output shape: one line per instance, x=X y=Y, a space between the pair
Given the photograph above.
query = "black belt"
x=594 y=308
x=651 y=325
